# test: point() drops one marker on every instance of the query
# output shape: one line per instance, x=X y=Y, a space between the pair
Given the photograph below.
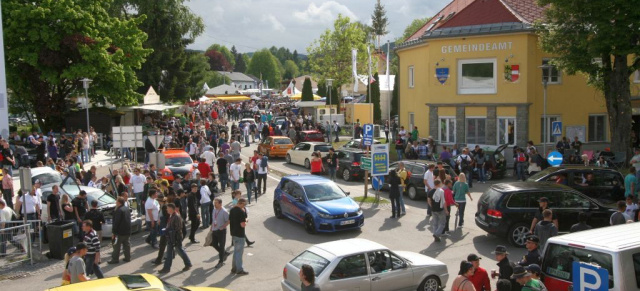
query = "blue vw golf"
x=318 y=203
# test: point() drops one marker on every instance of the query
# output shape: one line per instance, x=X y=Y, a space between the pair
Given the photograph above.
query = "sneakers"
x=113 y=262
x=242 y=273
x=436 y=238
x=249 y=243
x=220 y=264
x=163 y=271
x=187 y=268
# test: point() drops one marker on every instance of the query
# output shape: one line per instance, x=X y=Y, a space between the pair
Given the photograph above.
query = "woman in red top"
x=449 y=201
x=316 y=164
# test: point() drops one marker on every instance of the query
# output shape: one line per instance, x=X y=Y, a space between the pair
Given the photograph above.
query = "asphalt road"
x=279 y=240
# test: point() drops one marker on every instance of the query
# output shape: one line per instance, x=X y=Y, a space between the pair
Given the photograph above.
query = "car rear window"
x=491 y=198
x=317 y=262
x=541 y=174
x=315 y=135
x=322 y=148
x=282 y=141
x=558 y=261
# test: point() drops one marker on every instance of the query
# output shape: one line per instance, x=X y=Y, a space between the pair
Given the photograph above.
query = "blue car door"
x=299 y=203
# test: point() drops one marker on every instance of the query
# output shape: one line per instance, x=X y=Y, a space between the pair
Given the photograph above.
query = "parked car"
x=250 y=121
x=349 y=164
x=415 y=183
x=507 y=209
x=311 y=136
x=603 y=184
x=130 y=282
x=495 y=164
x=300 y=154
x=107 y=204
x=357 y=143
x=316 y=202
x=614 y=248
x=279 y=120
x=275 y=146
x=177 y=161
x=360 y=264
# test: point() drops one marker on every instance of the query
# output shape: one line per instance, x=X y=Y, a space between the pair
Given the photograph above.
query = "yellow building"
x=472 y=75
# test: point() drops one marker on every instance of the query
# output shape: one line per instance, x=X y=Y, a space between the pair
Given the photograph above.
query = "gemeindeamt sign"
x=478 y=47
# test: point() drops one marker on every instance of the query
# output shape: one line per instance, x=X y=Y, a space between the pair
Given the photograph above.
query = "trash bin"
x=60 y=235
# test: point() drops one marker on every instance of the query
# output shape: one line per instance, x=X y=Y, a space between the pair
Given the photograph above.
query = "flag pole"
x=389 y=90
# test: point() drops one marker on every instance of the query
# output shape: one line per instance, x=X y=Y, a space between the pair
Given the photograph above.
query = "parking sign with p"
x=587 y=277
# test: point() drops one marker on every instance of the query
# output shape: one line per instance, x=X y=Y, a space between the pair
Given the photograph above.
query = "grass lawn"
x=371 y=198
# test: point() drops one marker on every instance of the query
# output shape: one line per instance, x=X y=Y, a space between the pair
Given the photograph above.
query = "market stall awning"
x=155 y=107
x=298 y=96
x=230 y=98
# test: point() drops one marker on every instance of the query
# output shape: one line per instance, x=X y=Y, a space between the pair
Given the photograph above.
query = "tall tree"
x=264 y=64
x=599 y=39
x=217 y=61
x=226 y=53
x=395 y=105
x=200 y=73
x=295 y=58
x=307 y=91
x=51 y=44
x=330 y=55
x=234 y=52
x=414 y=26
x=290 y=70
x=379 y=22
x=322 y=89
x=335 y=97
x=373 y=96
x=241 y=66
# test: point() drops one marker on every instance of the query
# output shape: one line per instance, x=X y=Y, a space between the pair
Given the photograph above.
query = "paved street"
x=277 y=241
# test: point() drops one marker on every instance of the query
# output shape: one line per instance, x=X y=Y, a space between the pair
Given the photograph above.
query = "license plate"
x=283 y=147
x=345 y=222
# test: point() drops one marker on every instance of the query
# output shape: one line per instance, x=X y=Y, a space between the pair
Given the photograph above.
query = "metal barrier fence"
x=14 y=244
x=36 y=232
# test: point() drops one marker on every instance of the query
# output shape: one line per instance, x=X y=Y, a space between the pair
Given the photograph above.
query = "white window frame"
x=450 y=119
x=412 y=120
x=467 y=91
x=411 y=77
x=559 y=76
x=589 y=128
x=466 y=129
x=636 y=76
x=552 y=140
x=515 y=129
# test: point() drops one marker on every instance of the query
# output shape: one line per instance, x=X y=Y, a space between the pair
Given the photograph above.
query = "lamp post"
x=329 y=84
x=85 y=85
x=545 y=81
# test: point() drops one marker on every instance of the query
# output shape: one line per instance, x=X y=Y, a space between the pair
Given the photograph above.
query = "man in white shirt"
x=464 y=164
x=631 y=209
x=209 y=157
x=193 y=148
x=439 y=211
x=205 y=204
x=235 y=172
x=137 y=186
x=262 y=173
x=245 y=132
x=429 y=183
x=152 y=211
x=235 y=149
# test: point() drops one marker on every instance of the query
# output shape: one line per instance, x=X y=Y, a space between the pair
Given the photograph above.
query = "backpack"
x=435 y=207
x=464 y=163
x=521 y=158
x=339 y=128
x=264 y=162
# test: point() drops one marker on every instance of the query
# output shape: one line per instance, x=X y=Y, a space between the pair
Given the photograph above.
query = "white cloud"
x=327 y=12
x=275 y=23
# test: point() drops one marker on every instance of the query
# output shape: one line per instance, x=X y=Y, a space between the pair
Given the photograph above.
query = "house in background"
x=240 y=80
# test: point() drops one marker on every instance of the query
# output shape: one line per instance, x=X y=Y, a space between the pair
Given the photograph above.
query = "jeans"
x=224 y=180
x=235 y=185
x=246 y=140
x=446 y=224
x=7 y=195
x=176 y=247
x=249 y=187
x=262 y=183
x=139 y=203
x=153 y=233
x=205 y=213
x=400 y=153
x=482 y=174
x=121 y=240
x=332 y=173
x=404 y=211
x=92 y=267
x=469 y=174
x=439 y=219
x=461 y=207
x=219 y=241
x=520 y=170
x=238 y=251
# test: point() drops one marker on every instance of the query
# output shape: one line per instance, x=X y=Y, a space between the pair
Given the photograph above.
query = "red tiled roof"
x=527 y=10
x=454 y=7
x=482 y=12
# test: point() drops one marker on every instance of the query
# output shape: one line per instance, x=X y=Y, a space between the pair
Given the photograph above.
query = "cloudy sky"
x=254 y=24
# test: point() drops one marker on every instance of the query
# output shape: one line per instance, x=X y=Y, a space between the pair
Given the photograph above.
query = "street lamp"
x=85 y=85
x=329 y=83
x=545 y=81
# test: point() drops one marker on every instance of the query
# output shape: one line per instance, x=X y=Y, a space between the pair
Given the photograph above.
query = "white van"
x=615 y=248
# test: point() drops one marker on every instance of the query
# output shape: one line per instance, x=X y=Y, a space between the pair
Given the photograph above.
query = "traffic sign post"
x=554 y=158
x=365 y=163
x=367 y=134
x=556 y=128
x=380 y=159
x=589 y=277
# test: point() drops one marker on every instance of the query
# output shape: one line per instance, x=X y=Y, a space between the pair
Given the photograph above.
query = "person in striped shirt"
x=92 y=258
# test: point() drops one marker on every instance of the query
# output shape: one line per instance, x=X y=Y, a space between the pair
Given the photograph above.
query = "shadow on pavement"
x=290 y=230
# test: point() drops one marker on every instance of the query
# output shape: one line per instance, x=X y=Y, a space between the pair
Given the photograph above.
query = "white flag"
x=354 y=61
x=370 y=75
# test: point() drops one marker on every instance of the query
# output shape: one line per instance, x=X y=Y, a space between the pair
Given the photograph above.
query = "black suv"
x=603 y=184
x=415 y=183
x=349 y=164
x=507 y=209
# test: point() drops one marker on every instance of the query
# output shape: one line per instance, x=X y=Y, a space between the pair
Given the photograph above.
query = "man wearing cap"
x=76 y=266
x=523 y=278
x=504 y=267
x=544 y=204
x=480 y=277
x=533 y=253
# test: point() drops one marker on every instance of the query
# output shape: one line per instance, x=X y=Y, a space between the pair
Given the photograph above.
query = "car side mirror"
x=299 y=199
x=404 y=265
x=347 y=193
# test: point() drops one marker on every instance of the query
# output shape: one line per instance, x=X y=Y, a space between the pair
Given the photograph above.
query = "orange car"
x=177 y=161
x=275 y=146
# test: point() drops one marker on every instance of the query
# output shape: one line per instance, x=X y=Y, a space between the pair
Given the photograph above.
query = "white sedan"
x=364 y=265
x=300 y=154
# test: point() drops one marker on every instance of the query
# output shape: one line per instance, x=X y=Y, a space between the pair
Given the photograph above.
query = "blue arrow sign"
x=367 y=134
x=554 y=158
x=377 y=182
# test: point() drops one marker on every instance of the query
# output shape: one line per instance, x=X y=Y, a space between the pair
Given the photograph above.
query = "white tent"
x=203 y=98
x=290 y=90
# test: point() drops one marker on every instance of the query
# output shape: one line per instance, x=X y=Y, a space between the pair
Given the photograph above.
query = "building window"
x=506 y=130
x=597 y=128
x=477 y=76
x=410 y=76
x=476 y=130
x=550 y=137
x=412 y=121
x=636 y=77
x=447 y=130
x=555 y=77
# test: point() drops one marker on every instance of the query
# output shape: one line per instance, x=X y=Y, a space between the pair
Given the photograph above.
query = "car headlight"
x=324 y=215
x=359 y=211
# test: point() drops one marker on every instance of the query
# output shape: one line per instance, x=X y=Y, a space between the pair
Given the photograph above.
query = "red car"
x=311 y=135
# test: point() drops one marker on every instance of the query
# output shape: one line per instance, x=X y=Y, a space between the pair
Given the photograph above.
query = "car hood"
x=184 y=168
x=337 y=206
x=419 y=260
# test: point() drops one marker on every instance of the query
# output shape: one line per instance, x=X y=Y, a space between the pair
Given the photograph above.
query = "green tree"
x=373 y=96
x=201 y=73
x=379 y=22
x=290 y=70
x=414 y=26
x=295 y=57
x=599 y=39
x=322 y=89
x=330 y=55
x=264 y=64
x=241 y=66
x=307 y=91
x=52 y=44
x=335 y=97
x=226 y=53
x=395 y=105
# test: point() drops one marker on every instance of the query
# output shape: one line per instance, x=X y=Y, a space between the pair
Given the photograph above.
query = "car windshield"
x=323 y=148
x=282 y=141
x=178 y=161
x=94 y=194
x=357 y=156
x=324 y=192
x=51 y=178
x=558 y=261
x=317 y=262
